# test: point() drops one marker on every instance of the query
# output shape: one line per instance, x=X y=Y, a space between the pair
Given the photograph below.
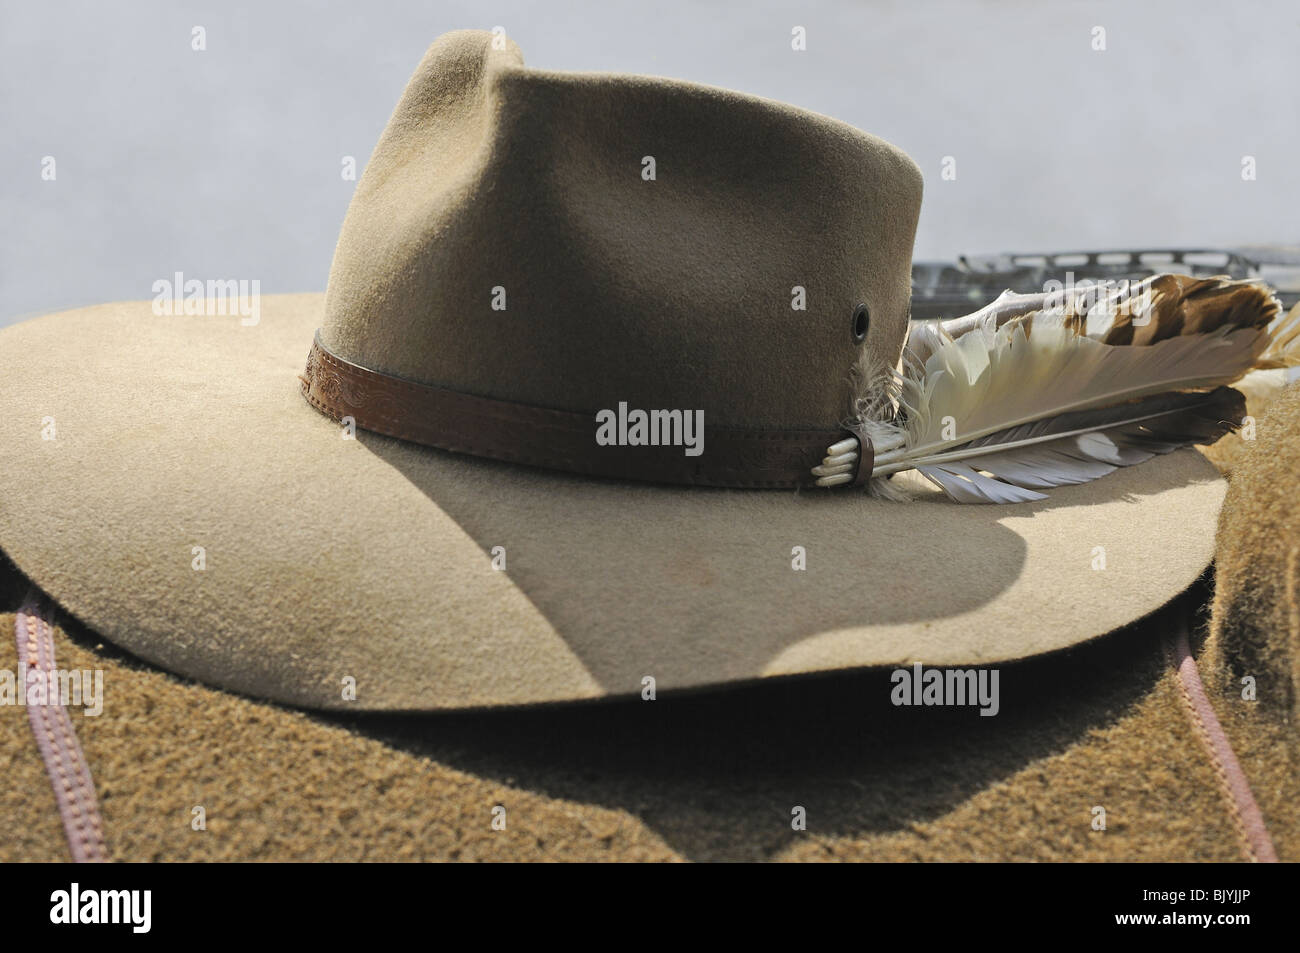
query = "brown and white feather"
x=1043 y=390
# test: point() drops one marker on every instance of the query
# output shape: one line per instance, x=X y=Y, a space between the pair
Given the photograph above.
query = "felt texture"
x=371 y=559
x=706 y=776
x=328 y=559
x=674 y=292
x=1257 y=594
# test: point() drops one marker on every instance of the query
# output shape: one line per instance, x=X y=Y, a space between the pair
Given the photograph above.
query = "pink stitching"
x=56 y=738
x=1233 y=784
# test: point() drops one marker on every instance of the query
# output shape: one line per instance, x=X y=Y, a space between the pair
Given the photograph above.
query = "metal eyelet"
x=861 y=322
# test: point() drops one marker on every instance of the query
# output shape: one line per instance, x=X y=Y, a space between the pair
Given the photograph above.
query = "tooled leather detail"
x=555 y=439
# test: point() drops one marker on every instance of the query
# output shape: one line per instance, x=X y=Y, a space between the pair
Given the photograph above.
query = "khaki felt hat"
x=530 y=260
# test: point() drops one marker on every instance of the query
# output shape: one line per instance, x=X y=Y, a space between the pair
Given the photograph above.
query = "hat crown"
x=572 y=241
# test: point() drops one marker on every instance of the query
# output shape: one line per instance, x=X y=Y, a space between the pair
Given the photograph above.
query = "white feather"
x=993 y=379
x=1041 y=390
x=1078 y=448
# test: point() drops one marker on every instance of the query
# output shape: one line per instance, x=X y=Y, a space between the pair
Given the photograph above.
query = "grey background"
x=225 y=163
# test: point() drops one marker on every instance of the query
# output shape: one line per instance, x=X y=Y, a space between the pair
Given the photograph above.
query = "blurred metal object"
x=952 y=289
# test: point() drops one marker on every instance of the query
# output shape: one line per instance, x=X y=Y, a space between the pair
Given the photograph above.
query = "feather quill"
x=1036 y=391
x=1078 y=448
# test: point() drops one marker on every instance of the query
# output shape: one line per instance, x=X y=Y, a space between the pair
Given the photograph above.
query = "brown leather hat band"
x=556 y=439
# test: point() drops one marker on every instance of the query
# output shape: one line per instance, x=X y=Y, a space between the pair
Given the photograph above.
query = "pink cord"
x=1246 y=816
x=65 y=763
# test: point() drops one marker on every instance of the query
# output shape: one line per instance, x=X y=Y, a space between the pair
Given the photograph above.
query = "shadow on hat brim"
x=179 y=439
x=708 y=776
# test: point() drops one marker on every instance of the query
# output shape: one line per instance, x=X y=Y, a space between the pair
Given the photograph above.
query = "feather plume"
x=1080 y=447
x=1036 y=391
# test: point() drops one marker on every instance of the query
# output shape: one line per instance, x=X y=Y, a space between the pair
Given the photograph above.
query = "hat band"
x=555 y=439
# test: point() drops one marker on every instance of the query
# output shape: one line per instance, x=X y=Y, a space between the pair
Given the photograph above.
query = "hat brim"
x=182 y=442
